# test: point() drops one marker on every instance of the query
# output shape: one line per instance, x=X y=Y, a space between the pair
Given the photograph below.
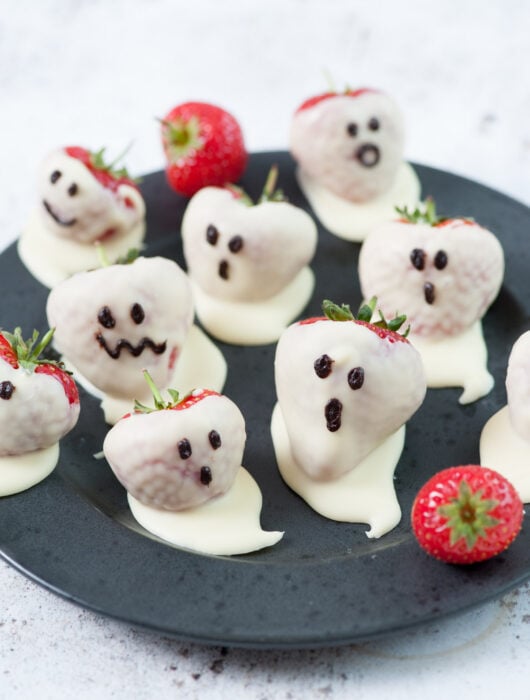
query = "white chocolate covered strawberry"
x=446 y=273
x=351 y=142
x=505 y=438
x=81 y=200
x=248 y=262
x=180 y=463
x=349 y=150
x=345 y=389
x=39 y=404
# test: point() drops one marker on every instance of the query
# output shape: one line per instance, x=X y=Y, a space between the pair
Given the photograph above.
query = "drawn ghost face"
x=75 y=205
x=342 y=390
x=114 y=322
x=176 y=459
x=350 y=144
x=244 y=253
x=442 y=277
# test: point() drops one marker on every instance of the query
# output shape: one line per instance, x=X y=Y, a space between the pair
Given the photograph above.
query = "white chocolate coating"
x=353 y=221
x=158 y=457
x=162 y=290
x=366 y=494
x=457 y=360
x=51 y=259
x=254 y=322
x=21 y=472
x=463 y=288
x=357 y=167
x=226 y=525
x=38 y=413
x=502 y=448
x=518 y=386
x=277 y=240
x=392 y=390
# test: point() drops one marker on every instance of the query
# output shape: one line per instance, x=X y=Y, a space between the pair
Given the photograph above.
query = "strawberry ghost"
x=349 y=148
x=446 y=273
x=505 y=438
x=113 y=322
x=82 y=200
x=39 y=404
x=248 y=262
x=180 y=463
x=345 y=388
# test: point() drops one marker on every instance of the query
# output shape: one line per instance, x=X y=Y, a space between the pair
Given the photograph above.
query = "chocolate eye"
x=440 y=260
x=6 y=390
x=235 y=244
x=417 y=258
x=215 y=439
x=55 y=176
x=374 y=124
x=206 y=476
x=73 y=189
x=322 y=366
x=137 y=313
x=352 y=129
x=212 y=234
x=184 y=448
x=106 y=318
x=356 y=378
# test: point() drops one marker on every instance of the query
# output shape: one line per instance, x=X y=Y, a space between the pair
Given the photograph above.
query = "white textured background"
x=98 y=72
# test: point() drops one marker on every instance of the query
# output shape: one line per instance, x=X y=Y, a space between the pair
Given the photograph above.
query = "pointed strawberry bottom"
x=21 y=472
x=226 y=525
x=364 y=495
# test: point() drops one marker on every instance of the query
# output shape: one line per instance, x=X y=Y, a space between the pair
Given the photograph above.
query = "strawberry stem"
x=468 y=515
x=159 y=402
x=28 y=352
x=366 y=310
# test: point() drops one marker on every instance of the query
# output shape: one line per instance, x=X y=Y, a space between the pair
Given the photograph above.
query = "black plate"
x=325 y=582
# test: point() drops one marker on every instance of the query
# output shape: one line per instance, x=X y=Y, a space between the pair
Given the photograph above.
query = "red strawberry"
x=34 y=412
x=466 y=514
x=203 y=146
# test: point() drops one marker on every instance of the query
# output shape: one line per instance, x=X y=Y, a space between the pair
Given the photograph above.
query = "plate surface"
x=325 y=582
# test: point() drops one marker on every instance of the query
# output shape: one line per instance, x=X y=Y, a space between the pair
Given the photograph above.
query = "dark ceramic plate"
x=325 y=582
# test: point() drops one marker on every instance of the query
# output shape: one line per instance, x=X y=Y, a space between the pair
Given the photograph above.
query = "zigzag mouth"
x=134 y=350
x=56 y=217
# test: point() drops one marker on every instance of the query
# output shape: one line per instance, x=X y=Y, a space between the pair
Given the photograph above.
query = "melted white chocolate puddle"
x=52 y=259
x=459 y=360
x=351 y=220
x=224 y=526
x=364 y=495
x=505 y=451
x=254 y=323
x=20 y=472
x=200 y=365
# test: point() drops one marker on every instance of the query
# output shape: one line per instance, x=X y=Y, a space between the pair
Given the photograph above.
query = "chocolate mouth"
x=56 y=217
x=134 y=350
x=368 y=155
x=224 y=269
x=429 y=292
x=333 y=415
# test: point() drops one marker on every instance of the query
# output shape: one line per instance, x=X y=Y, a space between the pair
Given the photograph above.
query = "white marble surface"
x=98 y=73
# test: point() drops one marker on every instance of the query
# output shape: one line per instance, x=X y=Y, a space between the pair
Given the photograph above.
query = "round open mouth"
x=134 y=350
x=56 y=217
x=368 y=155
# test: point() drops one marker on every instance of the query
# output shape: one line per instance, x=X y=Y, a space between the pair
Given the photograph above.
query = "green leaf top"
x=366 y=310
x=468 y=515
x=159 y=403
x=97 y=159
x=425 y=214
x=29 y=351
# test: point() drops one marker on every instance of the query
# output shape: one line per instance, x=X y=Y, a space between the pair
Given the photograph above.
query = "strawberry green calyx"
x=97 y=160
x=468 y=515
x=160 y=404
x=28 y=352
x=425 y=214
x=130 y=256
x=364 y=314
x=182 y=136
x=270 y=193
